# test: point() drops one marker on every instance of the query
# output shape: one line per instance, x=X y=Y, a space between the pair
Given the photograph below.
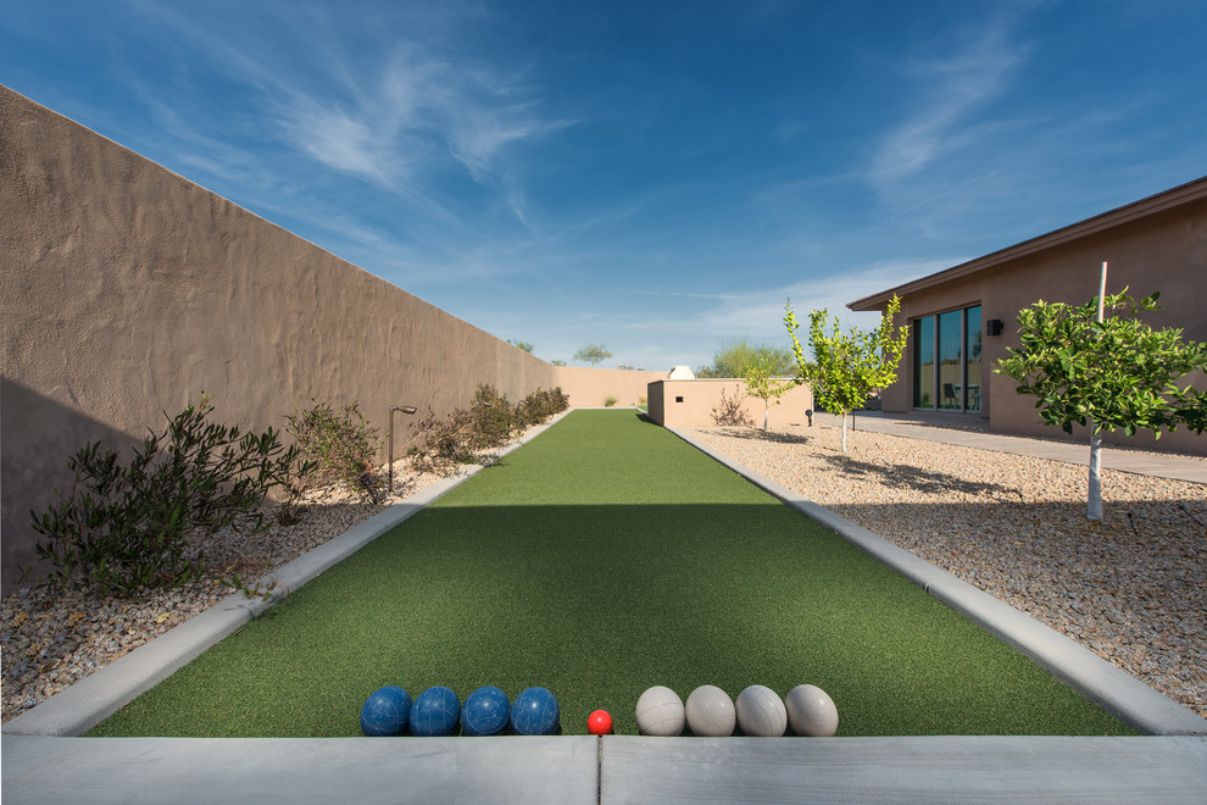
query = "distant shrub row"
x=126 y=526
x=490 y=422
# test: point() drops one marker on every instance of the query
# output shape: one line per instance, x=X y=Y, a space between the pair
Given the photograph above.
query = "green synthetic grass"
x=602 y=558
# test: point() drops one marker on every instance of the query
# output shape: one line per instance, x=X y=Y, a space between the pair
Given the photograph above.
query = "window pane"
x=924 y=362
x=974 y=359
x=951 y=367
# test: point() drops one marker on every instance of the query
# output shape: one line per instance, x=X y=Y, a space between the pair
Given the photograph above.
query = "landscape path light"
x=409 y=410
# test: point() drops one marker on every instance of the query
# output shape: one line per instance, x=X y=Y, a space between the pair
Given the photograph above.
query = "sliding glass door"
x=947 y=360
x=924 y=362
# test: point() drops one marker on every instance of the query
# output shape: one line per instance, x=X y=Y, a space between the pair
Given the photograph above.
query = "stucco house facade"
x=963 y=318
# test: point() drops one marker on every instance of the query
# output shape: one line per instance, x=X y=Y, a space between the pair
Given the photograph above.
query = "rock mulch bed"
x=50 y=639
x=1133 y=588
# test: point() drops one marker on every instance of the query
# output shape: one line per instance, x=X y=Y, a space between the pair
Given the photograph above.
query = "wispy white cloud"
x=394 y=115
x=951 y=90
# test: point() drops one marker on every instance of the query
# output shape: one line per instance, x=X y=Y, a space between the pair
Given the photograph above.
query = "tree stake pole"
x=1094 y=510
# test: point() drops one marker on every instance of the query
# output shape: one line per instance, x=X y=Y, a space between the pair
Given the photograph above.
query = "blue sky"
x=655 y=177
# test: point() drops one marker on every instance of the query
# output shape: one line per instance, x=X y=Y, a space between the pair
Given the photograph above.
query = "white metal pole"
x=1094 y=509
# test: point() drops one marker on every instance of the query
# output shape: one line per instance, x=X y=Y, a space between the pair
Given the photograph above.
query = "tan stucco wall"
x=1166 y=252
x=127 y=290
x=701 y=396
x=590 y=387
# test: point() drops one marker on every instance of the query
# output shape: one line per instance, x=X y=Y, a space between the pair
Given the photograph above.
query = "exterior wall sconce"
x=994 y=327
x=409 y=410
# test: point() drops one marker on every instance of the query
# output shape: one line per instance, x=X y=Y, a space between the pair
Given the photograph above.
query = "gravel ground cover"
x=50 y=639
x=602 y=558
x=1133 y=589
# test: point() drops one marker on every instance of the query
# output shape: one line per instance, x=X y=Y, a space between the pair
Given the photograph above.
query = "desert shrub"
x=125 y=527
x=539 y=406
x=609 y=401
x=493 y=417
x=443 y=442
x=343 y=448
x=729 y=411
x=490 y=422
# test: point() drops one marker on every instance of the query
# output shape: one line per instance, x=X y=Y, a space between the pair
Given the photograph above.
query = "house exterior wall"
x=702 y=395
x=126 y=291
x=1164 y=252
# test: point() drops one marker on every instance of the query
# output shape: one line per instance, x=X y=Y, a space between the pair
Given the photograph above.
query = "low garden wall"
x=693 y=403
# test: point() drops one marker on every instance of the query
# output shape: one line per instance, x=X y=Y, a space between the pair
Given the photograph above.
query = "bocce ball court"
x=604 y=557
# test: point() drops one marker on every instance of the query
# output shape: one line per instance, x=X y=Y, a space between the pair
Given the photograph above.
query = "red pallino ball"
x=599 y=723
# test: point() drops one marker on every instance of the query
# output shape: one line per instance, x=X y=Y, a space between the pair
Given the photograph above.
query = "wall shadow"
x=38 y=435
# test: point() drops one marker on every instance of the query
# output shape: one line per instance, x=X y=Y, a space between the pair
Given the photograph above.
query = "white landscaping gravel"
x=50 y=639
x=1133 y=588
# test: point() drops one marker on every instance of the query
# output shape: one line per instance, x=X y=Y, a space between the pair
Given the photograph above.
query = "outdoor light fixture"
x=993 y=327
x=409 y=410
x=809 y=413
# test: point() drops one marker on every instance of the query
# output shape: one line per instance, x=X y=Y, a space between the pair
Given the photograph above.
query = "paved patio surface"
x=40 y=769
x=970 y=431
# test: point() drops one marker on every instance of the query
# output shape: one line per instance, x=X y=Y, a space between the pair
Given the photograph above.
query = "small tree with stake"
x=761 y=383
x=847 y=367
x=1098 y=365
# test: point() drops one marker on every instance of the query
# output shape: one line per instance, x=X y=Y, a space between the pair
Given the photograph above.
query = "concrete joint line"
x=94 y=698
x=1114 y=689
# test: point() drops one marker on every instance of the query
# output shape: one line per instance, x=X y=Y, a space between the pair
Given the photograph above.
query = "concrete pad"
x=96 y=697
x=918 y=769
x=1113 y=688
x=90 y=771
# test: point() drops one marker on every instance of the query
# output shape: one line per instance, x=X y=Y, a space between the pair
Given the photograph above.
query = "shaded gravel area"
x=50 y=639
x=1133 y=588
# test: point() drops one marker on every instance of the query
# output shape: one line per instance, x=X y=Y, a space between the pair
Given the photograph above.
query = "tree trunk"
x=844 y=432
x=1094 y=507
x=766 y=411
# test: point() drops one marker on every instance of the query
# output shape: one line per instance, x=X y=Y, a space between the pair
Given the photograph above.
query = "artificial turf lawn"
x=602 y=558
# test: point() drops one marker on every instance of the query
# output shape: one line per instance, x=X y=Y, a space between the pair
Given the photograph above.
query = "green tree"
x=736 y=357
x=592 y=354
x=558 y=363
x=762 y=383
x=1099 y=365
x=527 y=346
x=847 y=367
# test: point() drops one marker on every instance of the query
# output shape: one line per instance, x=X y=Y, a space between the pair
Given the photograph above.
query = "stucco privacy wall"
x=589 y=387
x=690 y=403
x=127 y=290
x=1164 y=252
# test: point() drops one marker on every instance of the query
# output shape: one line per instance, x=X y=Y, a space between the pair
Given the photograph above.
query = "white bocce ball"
x=660 y=712
x=811 y=711
x=761 y=713
x=710 y=712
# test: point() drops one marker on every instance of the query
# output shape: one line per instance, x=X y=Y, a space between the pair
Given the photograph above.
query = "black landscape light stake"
x=809 y=413
x=409 y=410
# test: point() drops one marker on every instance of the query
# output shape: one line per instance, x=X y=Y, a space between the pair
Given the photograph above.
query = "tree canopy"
x=592 y=354
x=1119 y=374
x=847 y=367
x=735 y=358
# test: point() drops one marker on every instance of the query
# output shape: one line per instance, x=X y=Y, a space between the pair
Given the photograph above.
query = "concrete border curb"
x=1114 y=689
x=94 y=698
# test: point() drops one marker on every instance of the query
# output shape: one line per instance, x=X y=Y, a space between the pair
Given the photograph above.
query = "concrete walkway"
x=966 y=431
x=617 y=769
